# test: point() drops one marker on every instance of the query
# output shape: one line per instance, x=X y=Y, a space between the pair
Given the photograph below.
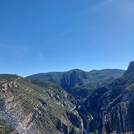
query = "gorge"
x=35 y=105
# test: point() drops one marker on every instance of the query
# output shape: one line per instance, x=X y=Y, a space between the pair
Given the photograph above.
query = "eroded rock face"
x=113 y=105
x=29 y=109
x=130 y=68
x=12 y=113
x=9 y=84
x=56 y=93
x=76 y=121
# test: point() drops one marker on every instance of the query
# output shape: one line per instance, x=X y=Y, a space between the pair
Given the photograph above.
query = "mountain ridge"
x=60 y=72
x=77 y=82
x=130 y=68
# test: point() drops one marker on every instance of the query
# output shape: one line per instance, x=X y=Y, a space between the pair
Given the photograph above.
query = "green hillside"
x=33 y=107
x=77 y=82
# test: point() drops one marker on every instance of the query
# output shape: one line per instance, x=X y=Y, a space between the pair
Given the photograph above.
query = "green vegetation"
x=7 y=77
x=38 y=106
x=77 y=82
x=5 y=128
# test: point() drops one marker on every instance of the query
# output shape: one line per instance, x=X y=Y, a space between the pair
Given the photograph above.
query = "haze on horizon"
x=49 y=36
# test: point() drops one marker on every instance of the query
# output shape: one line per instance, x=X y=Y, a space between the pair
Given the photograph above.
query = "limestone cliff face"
x=112 y=105
x=130 y=68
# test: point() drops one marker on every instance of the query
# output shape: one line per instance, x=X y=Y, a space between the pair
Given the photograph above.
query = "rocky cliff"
x=130 y=68
x=112 y=105
x=30 y=107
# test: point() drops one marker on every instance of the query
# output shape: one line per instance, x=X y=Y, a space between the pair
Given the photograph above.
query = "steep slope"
x=112 y=105
x=34 y=107
x=78 y=82
x=56 y=93
x=5 y=128
x=130 y=68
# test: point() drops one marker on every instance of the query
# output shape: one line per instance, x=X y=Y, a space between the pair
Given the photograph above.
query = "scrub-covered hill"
x=35 y=107
x=77 y=82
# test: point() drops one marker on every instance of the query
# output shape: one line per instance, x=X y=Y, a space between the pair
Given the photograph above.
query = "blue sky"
x=59 y=35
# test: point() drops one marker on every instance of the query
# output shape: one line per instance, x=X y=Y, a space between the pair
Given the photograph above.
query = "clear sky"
x=59 y=35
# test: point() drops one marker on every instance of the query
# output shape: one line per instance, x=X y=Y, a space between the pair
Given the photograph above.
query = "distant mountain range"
x=77 y=82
